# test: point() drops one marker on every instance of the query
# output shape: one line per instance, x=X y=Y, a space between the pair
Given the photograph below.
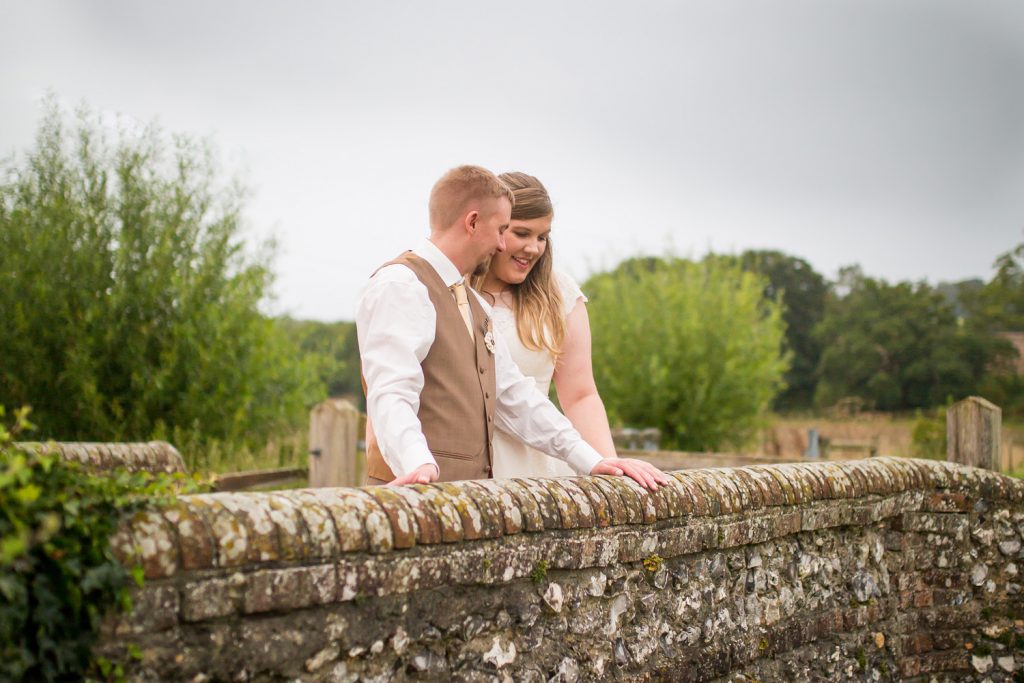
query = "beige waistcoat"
x=457 y=401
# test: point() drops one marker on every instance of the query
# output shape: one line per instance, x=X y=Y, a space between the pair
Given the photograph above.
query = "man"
x=437 y=379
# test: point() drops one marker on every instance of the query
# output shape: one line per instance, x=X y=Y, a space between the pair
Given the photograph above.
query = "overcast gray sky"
x=889 y=134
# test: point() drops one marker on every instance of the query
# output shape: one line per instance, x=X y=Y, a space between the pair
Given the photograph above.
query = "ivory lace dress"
x=511 y=457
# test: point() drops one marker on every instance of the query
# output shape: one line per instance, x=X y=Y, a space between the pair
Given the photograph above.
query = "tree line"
x=703 y=348
x=131 y=308
x=896 y=346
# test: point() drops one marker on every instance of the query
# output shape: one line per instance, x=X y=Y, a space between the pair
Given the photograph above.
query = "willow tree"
x=693 y=348
x=129 y=302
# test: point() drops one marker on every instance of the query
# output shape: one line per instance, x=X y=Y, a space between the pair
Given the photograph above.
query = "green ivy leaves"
x=58 y=575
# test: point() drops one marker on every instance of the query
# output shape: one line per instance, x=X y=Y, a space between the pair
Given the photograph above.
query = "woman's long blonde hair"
x=537 y=301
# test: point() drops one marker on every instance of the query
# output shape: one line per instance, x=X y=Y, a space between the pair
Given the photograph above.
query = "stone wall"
x=149 y=456
x=880 y=569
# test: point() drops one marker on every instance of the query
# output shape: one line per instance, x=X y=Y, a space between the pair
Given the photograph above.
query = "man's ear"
x=469 y=222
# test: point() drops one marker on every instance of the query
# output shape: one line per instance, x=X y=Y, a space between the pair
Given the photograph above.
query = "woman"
x=542 y=317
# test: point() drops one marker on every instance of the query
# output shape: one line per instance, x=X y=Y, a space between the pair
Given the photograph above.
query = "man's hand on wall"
x=644 y=473
x=424 y=474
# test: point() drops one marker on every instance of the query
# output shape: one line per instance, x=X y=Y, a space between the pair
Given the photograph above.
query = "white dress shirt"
x=395 y=323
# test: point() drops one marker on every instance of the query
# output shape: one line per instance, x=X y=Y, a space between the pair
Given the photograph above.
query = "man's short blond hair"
x=458 y=188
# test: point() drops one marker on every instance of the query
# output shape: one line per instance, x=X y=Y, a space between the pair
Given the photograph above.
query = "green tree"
x=130 y=304
x=999 y=304
x=957 y=293
x=802 y=290
x=895 y=346
x=691 y=348
x=336 y=351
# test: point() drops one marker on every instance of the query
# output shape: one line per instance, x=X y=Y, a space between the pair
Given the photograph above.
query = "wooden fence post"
x=333 y=444
x=972 y=433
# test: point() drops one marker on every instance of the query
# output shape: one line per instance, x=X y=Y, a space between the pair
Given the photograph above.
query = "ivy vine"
x=58 y=575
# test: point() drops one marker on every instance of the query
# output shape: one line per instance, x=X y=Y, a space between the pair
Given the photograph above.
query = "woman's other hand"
x=642 y=472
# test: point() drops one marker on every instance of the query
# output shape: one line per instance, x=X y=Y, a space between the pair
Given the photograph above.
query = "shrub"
x=336 y=352
x=58 y=575
x=928 y=436
x=130 y=303
x=693 y=349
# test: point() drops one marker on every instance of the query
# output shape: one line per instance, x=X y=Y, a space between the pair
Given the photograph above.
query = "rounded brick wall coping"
x=150 y=456
x=220 y=530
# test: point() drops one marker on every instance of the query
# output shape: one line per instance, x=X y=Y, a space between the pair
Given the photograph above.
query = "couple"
x=459 y=340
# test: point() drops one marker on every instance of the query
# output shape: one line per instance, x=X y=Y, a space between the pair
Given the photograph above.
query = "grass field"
x=290 y=450
x=890 y=434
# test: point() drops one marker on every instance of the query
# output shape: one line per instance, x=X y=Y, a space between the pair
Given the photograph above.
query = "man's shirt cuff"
x=583 y=458
x=410 y=460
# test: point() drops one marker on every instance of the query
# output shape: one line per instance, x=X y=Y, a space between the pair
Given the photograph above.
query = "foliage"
x=130 y=303
x=1005 y=388
x=690 y=348
x=57 y=573
x=540 y=571
x=957 y=294
x=336 y=353
x=896 y=346
x=802 y=291
x=653 y=563
x=204 y=454
x=928 y=436
x=999 y=304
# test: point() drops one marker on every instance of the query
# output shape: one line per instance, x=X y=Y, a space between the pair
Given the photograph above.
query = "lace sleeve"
x=570 y=291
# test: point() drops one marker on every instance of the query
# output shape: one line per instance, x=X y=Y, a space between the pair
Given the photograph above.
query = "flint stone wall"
x=880 y=569
x=149 y=456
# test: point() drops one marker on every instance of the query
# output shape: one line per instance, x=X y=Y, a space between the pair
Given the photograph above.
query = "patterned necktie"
x=459 y=290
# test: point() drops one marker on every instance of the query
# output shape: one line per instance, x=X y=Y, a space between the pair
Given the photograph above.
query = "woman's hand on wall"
x=642 y=472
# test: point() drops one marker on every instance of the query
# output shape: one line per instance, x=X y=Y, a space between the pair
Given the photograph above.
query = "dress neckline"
x=499 y=300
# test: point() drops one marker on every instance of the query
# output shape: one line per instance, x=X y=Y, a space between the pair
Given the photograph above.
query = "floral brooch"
x=488 y=329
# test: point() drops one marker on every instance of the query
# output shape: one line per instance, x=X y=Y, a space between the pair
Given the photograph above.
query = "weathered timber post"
x=333 y=444
x=972 y=433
